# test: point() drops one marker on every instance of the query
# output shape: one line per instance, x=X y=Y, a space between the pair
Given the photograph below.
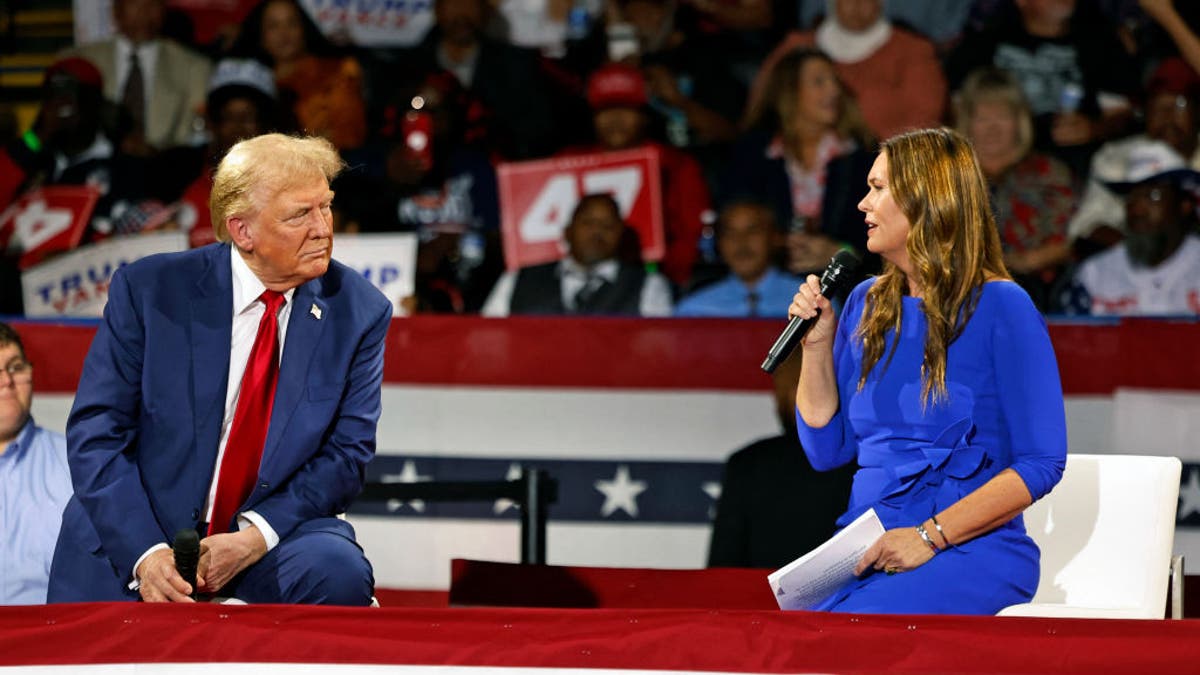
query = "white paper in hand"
x=812 y=578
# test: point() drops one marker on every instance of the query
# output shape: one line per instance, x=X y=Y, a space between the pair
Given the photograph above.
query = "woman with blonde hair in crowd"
x=941 y=383
x=1033 y=194
x=803 y=151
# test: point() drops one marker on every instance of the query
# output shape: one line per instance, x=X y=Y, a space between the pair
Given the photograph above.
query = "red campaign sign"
x=47 y=220
x=537 y=198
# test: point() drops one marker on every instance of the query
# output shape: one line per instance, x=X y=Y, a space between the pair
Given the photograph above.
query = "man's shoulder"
x=1187 y=259
x=184 y=54
x=721 y=288
x=101 y=53
x=1105 y=263
x=52 y=443
x=177 y=264
x=540 y=270
x=49 y=435
x=776 y=279
x=1191 y=246
x=342 y=283
x=774 y=456
x=93 y=48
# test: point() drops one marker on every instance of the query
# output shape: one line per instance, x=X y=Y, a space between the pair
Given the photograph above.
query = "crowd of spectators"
x=765 y=115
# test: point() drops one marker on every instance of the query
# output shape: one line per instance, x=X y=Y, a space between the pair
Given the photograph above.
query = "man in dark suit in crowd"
x=600 y=275
x=233 y=389
x=774 y=506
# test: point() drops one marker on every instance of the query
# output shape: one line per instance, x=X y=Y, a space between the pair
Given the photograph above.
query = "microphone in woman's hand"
x=836 y=275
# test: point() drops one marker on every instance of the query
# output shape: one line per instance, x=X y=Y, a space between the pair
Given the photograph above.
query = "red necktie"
x=248 y=432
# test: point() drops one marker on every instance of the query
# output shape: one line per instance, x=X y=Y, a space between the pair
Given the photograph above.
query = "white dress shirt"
x=654 y=300
x=147 y=58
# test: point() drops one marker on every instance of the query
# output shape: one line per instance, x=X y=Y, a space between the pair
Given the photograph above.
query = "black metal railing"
x=533 y=492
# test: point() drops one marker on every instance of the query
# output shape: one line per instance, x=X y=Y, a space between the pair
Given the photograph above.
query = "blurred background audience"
x=1077 y=76
x=622 y=120
x=1155 y=269
x=806 y=153
x=602 y=273
x=321 y=86
x=426 y=173
x=893 y=73
x=749 y=242
x=1032 y=193
x=158 y=83
x=779 y=103
x=242 y=103
x=1170 y=114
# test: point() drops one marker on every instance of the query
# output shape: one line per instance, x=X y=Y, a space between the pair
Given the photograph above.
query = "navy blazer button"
x=264 y=485
x=195 y=514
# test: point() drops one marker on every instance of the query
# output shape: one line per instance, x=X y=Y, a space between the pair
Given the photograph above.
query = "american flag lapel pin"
x=315 y=311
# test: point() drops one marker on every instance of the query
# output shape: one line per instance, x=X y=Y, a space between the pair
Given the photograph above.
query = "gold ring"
x=891 y=570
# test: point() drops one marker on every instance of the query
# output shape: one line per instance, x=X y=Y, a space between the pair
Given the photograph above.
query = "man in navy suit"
x=158 y=422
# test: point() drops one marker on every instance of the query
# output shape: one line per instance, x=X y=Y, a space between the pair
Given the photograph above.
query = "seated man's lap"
x=318 y=563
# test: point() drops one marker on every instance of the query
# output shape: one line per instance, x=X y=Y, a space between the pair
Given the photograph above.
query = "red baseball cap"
x=1174 y=76
x=616 y=85
x=77 y=68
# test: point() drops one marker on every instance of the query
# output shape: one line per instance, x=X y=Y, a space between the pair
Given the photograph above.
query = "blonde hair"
x=994 y=85
x=264 y=165
x=953 y=249
x=779 y=105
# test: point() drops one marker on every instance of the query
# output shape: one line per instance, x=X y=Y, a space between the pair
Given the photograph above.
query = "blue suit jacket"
x=142 y=435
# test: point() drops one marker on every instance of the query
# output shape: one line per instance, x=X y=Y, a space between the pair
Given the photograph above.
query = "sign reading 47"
x=537 y=199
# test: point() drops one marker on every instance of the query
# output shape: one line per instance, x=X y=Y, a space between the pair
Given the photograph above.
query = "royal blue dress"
x=1004 y=410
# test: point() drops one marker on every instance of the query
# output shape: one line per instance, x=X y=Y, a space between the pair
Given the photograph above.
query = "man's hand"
x=223 y=556
x=662 y=85
x=158 y=579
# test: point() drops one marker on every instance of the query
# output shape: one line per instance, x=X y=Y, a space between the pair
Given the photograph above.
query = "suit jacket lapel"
x=303 y=336
x=164 y=100
x=106 y=63
x=211 y=334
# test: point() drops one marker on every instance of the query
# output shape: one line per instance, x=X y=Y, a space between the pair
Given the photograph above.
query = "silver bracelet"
x=925 y=535
x=942 y=532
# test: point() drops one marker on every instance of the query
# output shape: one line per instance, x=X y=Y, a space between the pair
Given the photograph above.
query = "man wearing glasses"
x=35 y=483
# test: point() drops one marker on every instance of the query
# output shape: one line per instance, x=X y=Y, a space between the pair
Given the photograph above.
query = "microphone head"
x=187 y=540
x=187 y=556
x=841 y=267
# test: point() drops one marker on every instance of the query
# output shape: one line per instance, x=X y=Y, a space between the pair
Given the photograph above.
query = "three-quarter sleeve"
x=1030 y=393
x=834 y=444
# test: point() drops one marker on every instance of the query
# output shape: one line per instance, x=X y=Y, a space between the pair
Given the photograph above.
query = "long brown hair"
x=776 y=110
x=953 y=249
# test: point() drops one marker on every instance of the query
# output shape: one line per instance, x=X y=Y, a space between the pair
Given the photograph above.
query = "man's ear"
x=239 y=232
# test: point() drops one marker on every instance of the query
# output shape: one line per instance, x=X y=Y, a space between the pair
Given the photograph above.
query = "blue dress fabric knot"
x=950 y=455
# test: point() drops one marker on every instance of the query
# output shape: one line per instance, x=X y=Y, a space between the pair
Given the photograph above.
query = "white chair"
x=1106 y=532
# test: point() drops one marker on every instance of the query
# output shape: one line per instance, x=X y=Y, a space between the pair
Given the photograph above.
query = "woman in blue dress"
x=940 y=380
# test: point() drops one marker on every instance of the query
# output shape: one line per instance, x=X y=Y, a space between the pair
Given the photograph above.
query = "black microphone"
x=187 y=555
x=837 y=274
